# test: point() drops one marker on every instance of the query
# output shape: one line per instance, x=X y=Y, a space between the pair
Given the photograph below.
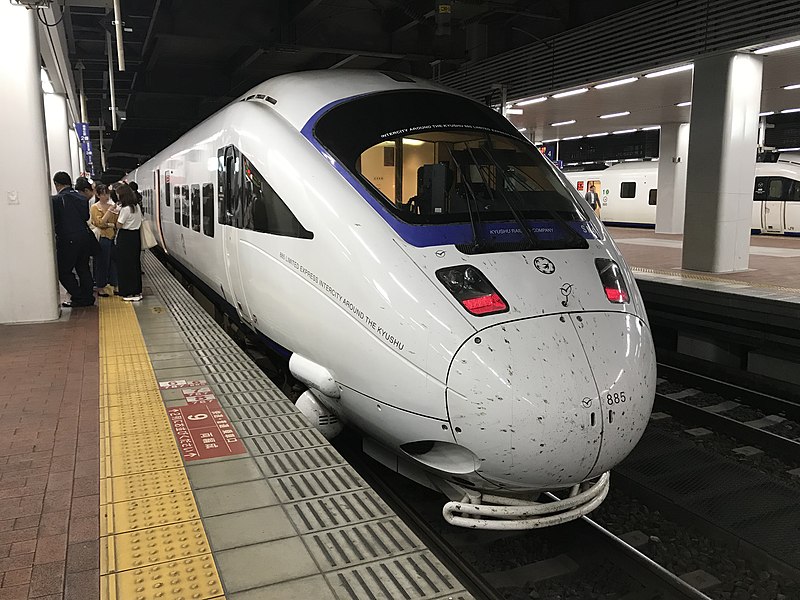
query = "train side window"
x=652 y=198
x=208 y=209
x=231 y=187
x=794 y=193
x=267 y=213
x=776 y=188
x=167 y=189
x=185 y=205
x=627 y=189
x=195 y=207
x=176 y=192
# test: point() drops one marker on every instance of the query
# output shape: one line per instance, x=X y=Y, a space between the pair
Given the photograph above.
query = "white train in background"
x=628 y=194
x=432 y=279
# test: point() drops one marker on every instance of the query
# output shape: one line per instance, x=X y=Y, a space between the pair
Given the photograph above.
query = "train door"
x=230 y=181
x=774 y=206
x=157 y=206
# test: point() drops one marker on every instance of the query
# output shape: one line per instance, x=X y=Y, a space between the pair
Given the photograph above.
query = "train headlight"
x=612 y=280
x=471 y=288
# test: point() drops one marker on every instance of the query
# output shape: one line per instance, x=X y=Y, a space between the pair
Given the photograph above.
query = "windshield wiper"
x=579 y=241
x=477 y=243
x=520 y=221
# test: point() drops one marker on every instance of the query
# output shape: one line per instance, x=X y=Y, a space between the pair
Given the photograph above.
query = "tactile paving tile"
x=136 y=549
x=322 y=457
x=141 y=485
x=337 y=510
x=231 y=376
x=120 y=517
x=413 y=577
x=313 y=484
x=267 y=408
x=188 y=579
x=361 y=543
x=131 y=454
x=285 y=441
x=261 y=396
x=274 y=424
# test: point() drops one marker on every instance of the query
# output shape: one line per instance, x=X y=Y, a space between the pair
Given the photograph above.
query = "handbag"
x=147 y=235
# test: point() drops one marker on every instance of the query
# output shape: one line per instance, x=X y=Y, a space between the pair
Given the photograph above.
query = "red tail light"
x=612 y=280
x=471 y=288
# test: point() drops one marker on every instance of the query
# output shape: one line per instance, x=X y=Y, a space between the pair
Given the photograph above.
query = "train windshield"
x=434 y=158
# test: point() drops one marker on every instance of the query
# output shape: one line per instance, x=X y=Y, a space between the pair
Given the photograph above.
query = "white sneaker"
x=132 y=298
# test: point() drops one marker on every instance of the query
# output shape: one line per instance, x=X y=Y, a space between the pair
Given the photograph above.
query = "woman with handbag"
x=129 y=243
x=105 y=268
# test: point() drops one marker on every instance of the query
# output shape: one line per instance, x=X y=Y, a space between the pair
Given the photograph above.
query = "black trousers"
x=72 y=254
x=129 y=262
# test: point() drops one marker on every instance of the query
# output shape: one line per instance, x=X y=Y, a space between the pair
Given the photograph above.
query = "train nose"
x=553 y=399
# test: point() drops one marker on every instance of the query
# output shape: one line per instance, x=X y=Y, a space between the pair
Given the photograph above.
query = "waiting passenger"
x=74 y=242
x=85 y=187
x=105 y=268
x=593 y=199
x=129 y=243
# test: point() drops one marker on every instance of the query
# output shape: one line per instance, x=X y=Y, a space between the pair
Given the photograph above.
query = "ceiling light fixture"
x=795 y=149
x=778 y=47
x=521 y=129
x=766 y=114
x=619 y=114
x=651 y=128
x=794 y=86
x=669 y=71
x=574 y=137
x=597 y=134
x=790 y=110
x=514 y=111
x=682 y=104
x=623 y=131
x=603 y=86
x=570 y=93
x=550 y=141
x=560 y=123
x=532 y=101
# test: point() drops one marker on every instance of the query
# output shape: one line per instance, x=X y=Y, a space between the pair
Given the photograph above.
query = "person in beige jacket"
x=103 y=220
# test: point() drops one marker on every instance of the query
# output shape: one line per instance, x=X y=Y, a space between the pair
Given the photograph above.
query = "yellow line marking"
x=153 y=545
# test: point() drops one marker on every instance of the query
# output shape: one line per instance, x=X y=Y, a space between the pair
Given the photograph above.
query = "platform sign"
x=198 y=395
x=82 y=129
x=204 y=431
x=180 y=383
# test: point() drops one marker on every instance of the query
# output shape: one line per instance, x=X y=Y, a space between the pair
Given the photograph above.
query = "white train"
x=434 y=281
x=628 y=194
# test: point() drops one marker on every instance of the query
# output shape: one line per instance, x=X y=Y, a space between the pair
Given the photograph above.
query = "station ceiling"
x=185 y=59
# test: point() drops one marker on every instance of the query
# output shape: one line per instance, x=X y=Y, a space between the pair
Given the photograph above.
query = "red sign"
x=203 y=431
x=198 y=395
x=580 y=186
x=180 y=383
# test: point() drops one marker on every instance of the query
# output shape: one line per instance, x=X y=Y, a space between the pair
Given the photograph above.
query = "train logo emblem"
x=566 y=291
x=587 y=402
x=545 y=265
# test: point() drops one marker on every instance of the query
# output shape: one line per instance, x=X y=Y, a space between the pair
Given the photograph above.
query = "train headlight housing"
x=612 y=280
x=473 y=291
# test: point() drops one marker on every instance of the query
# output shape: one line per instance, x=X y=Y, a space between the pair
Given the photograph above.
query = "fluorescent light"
x=570 y=93
x=790 y=110
x=651 y=128
x=550 y=141
x=532 y=101
x=413 y=142
x=560 y=123
x=766 y=114
x=789 y=149
x=514 y=111
x=623 y=131
x=521 y=129
x=794 y=86
x=574 y=137
x=603 y=86
x=785 y=46
x=619 y=114
x=597 y=134
x=47 y=87
x=682 y=104
x=630 y=160
x=669 y=71
x=572 y=164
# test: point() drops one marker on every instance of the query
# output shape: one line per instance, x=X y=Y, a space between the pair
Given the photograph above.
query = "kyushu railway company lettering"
x=352 y=308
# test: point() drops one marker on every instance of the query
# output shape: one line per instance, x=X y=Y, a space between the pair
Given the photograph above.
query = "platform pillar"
x=27 y=269
x=57 y=127
x=673 y=150
x=726 y=99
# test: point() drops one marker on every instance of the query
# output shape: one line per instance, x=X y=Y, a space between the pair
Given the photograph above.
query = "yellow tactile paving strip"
x=152 y=545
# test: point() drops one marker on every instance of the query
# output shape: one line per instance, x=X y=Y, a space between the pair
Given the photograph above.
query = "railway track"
x=773 y=424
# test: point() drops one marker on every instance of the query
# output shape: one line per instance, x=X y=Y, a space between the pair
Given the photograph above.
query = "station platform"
x=145 y=456
x=774 y=271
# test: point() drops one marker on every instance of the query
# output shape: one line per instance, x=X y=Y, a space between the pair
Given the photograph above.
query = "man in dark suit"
x=74 y=241
x=593 y=199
